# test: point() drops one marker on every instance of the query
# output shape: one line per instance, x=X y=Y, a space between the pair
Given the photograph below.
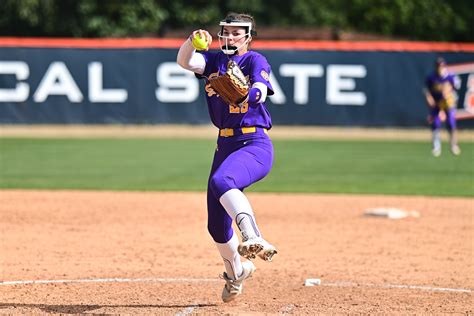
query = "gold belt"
x=228 y=132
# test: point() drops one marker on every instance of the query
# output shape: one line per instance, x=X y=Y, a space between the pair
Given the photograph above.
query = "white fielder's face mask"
x=224 y=40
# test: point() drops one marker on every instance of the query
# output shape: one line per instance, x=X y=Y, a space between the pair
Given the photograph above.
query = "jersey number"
x=234 y=109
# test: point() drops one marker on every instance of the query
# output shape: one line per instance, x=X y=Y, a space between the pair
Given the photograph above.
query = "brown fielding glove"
x=232 y=86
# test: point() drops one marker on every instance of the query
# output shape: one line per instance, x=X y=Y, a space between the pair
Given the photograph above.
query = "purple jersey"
x=256 y=68
x=441 y=89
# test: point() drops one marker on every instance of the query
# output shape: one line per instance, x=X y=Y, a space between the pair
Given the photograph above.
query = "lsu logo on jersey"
x=265 y=75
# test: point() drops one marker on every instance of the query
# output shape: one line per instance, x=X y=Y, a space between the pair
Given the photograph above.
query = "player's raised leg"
x=237 y=205
x=239 y=170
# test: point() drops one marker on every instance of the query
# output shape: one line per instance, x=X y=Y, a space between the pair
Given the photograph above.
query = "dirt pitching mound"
x=150 y=253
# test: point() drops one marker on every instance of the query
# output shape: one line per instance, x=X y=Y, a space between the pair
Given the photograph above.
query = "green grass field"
x=335 y=166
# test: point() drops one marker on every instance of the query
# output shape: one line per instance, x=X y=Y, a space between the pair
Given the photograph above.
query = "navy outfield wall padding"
x=146 y=86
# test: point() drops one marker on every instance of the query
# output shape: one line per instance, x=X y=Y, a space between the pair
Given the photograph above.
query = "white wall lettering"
x=340 y=81
x=58 y=81
x=97 y=93
x=21 y=71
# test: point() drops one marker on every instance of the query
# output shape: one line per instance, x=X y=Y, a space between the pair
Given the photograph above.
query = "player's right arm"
x=427 y=91
x=429 y=98
x=188 y=58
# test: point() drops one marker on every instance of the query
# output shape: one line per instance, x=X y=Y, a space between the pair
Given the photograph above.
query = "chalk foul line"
x=203 y=280
x=397 y=286
x=109 y=280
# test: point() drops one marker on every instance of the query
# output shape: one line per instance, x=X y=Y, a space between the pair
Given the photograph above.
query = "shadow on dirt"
x=79 y=309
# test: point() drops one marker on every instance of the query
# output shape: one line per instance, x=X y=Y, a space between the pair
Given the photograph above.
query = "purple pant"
x=450 y=119
x=238 y=162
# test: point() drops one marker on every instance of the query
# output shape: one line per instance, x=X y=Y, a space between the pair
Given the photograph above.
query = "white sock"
x=436 y=139
x=452 y=139
x=232 y=263
x=238 y=207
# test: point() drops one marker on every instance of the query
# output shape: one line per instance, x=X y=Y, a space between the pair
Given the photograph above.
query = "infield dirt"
x=366 y=264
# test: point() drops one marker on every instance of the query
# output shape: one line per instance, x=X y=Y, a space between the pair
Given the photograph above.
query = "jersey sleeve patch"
x=265 y=75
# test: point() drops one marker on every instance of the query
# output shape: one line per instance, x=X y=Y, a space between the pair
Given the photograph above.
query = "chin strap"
x=231 y=49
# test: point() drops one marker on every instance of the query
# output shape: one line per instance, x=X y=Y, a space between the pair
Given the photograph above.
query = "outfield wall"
x=137 y=81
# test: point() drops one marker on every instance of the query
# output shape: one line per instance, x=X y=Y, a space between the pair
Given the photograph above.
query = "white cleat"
x=233 y=288
x=436 y=152
x=455 y=150
x=268 y=252
x=252 y=247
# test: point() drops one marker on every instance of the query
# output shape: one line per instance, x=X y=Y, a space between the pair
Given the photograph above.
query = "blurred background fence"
x=96 y=82
x=326 y=67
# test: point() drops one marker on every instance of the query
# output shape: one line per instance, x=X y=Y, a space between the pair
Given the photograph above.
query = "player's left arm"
x=455 y=81
x=260 y=81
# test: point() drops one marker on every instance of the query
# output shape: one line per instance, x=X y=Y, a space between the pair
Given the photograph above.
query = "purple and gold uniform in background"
x=244 y=153
x=442 y=89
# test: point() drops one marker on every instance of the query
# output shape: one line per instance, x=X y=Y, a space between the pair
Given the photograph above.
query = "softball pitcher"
x=441 y=99
x=244 y=153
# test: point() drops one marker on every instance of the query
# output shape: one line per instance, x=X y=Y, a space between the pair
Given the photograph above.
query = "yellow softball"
x=199 y=43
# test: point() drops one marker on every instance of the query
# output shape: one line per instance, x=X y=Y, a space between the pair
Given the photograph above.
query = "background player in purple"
x=441 y=98
x=244 y=153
